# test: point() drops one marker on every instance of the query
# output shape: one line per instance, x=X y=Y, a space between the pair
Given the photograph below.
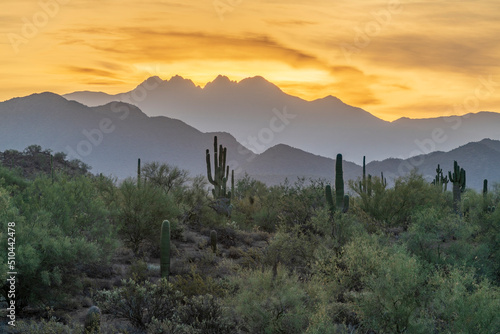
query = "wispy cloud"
x=429 y=53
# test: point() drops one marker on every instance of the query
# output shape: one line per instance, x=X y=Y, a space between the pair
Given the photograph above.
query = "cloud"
x=297 y=23
x=91 y=71
x=434 y=52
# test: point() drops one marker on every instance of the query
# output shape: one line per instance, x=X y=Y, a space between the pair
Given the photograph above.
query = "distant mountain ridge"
x=248 y=110
x=111 y=137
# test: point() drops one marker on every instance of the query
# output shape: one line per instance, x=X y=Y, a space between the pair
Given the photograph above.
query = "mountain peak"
x=258 y=82
x=180 y=81
x=221 y=82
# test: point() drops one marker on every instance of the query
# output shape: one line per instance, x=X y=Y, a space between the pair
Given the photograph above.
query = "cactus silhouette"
x=341 y=200
x=221 y=172
x=138 y=172
x=383 y=180
x=165 y=249
x=458 y=180
x=439 y=180
x=213 y=240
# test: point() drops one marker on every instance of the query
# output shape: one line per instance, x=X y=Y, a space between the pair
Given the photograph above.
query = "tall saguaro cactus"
x=339 y=183
x=165 y=249
x=221 y=172
x=458 y=180
x=138 y=172
x=341 y=200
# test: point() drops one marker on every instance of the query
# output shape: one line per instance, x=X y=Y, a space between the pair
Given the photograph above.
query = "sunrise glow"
x=393 y=58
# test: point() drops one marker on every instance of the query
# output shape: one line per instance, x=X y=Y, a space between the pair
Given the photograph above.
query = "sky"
x=393 y=58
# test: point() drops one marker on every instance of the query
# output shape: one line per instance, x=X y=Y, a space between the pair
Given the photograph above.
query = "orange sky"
x=393 y=58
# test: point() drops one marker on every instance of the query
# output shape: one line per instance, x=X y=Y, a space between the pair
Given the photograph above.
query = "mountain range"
x=260 y=115
x=112 y=136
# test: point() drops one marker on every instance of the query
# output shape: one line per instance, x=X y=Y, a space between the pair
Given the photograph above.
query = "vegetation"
x=95 y=255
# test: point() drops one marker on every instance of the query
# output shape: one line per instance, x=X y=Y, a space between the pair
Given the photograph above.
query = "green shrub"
x=64 y=228
x=394 y=295
x=264 y=304
x=205 y=314
x=142 y=210
x=194 y=284
x=461 y=303
x=46 y=327
x=140 y=303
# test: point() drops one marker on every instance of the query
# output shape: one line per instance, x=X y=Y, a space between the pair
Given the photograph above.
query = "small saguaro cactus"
x=213 y=241
x=485 y=187
x=383 y=180
x=52 y=168
x=138 y=172
x=221 y=172
x=363 y=189
x=458 y=180
x=439 y=180
x=93 y=321
x=165 y=249
x=369 y=185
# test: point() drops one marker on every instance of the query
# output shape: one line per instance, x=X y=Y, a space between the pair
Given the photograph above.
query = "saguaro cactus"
x=458 y=180
x=364 y=174
x=93 y=321
x=221 y=172
x=165 y=249
x=341 y=200
x=485 y=187
x=52 y=168
x=138 y=172
x=383 y=180
x=339 y=182
x=213 y=240
x=439 y=180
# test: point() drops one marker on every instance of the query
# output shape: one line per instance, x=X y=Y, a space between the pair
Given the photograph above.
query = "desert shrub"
x=394 y=207
x=194 y=284
x=394 y=295
x=164 y=176
x=140 y=303
x=256 y=205
x=360 y=259
x=205 y=314
x=339 y=228
x=299 y=203
x=196 y=315
x=462 y=303
x=268 y=303
x=138 y=270
x=64 y=229
x=159 y=307
x=46 y=327
x=292 y=248
x=12 y=179
x=142 y=210
x=431 y=233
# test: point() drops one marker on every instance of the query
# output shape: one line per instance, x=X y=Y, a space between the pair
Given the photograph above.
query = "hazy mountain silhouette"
x=65 y=126
x=282 y=161
x=248 y=110
x=111 y=137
